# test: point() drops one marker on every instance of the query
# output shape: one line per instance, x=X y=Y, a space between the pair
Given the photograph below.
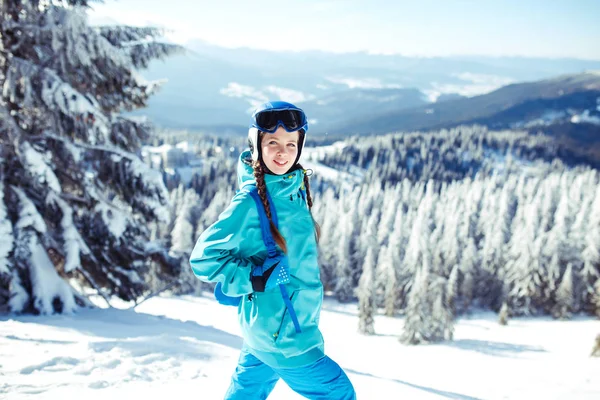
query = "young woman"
x=279 y=295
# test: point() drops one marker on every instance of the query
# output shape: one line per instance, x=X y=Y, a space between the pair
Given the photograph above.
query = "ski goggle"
x=291 y=119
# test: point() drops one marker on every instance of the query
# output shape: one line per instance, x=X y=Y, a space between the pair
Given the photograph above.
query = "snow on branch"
x=155 y=196
x=7 y=242
x=120 y=35
x=146 y=87
x=144 y=52
x=131 y=274
x=82 y=43
x=58 y=93
x=128 y=133
x=114 y=219
x=54 y=94
x=47 y=285
x=29 y=217
x=73 y=242
x=49 y=292
x=82 y=147
x=149 y=191
x=18 y=295
x=37 y=165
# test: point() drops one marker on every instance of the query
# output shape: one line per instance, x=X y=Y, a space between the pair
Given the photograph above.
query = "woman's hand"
x=275 y=271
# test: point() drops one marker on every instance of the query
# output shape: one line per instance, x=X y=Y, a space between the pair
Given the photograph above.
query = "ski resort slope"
x=187 y=347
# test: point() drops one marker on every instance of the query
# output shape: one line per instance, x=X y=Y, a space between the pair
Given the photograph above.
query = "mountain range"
x=213 y=89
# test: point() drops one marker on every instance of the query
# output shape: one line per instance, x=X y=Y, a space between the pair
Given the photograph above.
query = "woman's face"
x=279 y=150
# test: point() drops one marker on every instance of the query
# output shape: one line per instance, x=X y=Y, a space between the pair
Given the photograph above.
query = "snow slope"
x=187 y=347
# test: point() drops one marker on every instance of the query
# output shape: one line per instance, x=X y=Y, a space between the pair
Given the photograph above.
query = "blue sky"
x=551 y=28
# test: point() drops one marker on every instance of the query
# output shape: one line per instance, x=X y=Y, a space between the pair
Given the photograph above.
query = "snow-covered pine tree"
x=441 y=320
x=6 y=245
x=503 y=315
x=564 y=295
x=590 y=273
x=493 y=253
x=327 y=213
x=452 y=289
x=366 y=284
x=182 y=235
x=417 y=309
x=391 y=263
x=79 y=199
x=581 y=194
x=183 y=239
x=469 y=269
x=553 y=272
x=428 y=317
x=215 y=207
x=385 y=268
x=366 y=294
x=344 y=285
x=449 y=244
x=524 y=269
x=417 y=249
x=389 y=207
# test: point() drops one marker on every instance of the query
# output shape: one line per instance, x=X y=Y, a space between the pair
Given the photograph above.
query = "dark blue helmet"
x=268 y=117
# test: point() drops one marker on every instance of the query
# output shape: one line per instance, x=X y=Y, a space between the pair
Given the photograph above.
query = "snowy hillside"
x=187 y=348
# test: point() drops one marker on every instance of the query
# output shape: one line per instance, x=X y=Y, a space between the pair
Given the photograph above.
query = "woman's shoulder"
x=242 y=199
x=241 y=205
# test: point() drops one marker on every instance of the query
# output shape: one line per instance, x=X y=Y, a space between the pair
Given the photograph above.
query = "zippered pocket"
x=307 y=305
x=261 y=318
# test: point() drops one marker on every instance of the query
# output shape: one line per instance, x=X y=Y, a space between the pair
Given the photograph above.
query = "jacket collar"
x=277 y=185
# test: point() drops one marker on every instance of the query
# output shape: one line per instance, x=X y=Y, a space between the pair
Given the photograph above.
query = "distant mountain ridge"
x=211 y=87
x=501 y=108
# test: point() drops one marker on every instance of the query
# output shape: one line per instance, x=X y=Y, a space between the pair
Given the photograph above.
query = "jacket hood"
x=277 y=185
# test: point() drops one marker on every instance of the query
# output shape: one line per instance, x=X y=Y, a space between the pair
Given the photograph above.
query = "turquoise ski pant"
x=322 y=380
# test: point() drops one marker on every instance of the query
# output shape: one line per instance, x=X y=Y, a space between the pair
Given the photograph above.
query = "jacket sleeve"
x=216 y=257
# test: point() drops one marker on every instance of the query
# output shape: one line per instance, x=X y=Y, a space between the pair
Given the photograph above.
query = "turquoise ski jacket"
x=227 y=250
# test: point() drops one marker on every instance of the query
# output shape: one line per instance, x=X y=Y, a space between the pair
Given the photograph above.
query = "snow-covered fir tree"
x=329 y=241
x=452 y=289
x=417 y=311
x=6 y=245
x=590 y=272
x=391 y=263
x=182 y=235
x=75 y=194
x=564 y=295
x=503 y=315
x=347 y=250
x=366 y=284
x=428 y=318
x=366 y=295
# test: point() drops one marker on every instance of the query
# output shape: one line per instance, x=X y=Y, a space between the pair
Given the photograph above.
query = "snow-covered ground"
x=187 y=347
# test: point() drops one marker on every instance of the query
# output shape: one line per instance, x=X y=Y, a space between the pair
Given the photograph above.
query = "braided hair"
x=310 y=204
x=259 y=175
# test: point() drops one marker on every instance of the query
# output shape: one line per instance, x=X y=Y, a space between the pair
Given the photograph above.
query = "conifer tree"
x=564 y=295
x=366 y=295
x=77 y=196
